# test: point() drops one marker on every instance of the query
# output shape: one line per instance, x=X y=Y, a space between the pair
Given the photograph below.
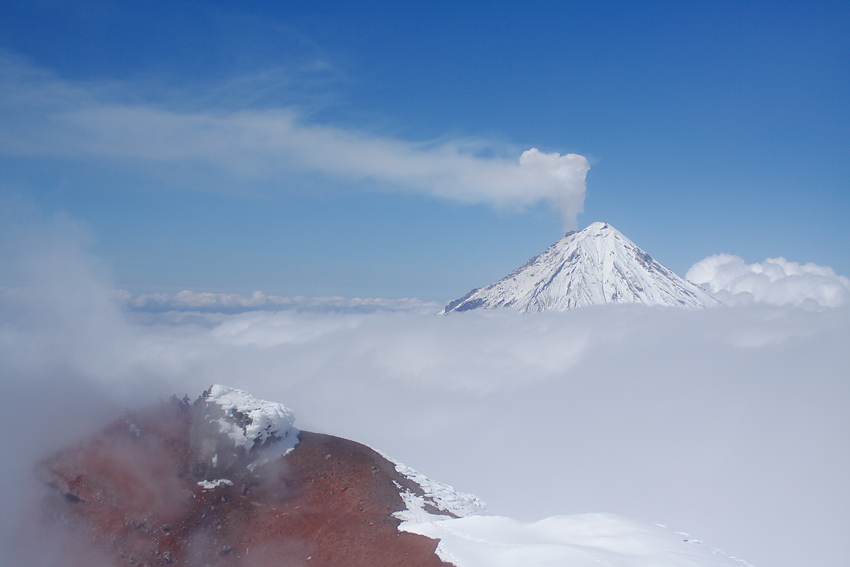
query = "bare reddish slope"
x=132 y=494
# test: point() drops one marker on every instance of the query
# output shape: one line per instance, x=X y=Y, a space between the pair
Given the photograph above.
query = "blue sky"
x=219 y=146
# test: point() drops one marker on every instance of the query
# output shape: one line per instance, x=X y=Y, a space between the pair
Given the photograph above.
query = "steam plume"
x=564 y=177
x=211 y=149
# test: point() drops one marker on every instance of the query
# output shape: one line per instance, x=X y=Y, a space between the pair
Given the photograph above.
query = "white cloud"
x=775 y=281
x=236 y=302
x=725 y=423
x=44 y=116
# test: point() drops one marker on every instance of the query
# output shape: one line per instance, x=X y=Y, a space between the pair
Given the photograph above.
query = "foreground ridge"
x=227 y=481
x=594 y=266
x=230 y=482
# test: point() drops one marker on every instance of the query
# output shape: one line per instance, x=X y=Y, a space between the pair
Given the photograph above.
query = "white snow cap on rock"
x=265 y=420
x=775 y=281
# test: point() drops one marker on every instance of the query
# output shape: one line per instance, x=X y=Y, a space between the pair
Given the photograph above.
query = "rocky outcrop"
x=232 y=431
x=136 y=494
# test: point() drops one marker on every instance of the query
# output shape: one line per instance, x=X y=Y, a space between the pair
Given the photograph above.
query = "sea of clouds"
x=730 y=423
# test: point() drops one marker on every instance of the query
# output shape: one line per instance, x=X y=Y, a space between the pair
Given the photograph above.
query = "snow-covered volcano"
x=590 y=267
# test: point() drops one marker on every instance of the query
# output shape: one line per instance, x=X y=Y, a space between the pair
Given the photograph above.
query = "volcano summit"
x=593 y=266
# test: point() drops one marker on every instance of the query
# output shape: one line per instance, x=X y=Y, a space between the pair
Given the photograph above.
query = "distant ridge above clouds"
x=593 y=266
x=187 y=300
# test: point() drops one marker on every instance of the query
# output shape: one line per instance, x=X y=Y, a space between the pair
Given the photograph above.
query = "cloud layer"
x=776 y=281
x=236 y=302
x=44 y=116
x=724 y=423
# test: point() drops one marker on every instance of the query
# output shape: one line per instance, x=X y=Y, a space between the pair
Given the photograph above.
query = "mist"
x=729 y=424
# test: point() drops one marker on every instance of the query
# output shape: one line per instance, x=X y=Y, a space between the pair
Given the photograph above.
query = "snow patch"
x=435 y=496
x=257 y=420
x=261 y=428
x=586 y=540
x=213 y=484
x=441 y=496
x=470 y=537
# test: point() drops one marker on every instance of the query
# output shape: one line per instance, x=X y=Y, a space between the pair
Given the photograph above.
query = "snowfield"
x=586 y=540
x=476 y=539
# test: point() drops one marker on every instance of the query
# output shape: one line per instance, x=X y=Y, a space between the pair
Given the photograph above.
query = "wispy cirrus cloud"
x=46 y=117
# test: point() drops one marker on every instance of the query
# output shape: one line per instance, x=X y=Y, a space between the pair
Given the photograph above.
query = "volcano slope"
x=134 y=494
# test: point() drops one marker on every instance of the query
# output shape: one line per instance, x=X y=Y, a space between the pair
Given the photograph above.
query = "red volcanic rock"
x=131 y=493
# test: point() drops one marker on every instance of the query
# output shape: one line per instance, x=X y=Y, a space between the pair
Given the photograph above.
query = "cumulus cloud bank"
x=726 y=423
x=775 y=281
x=44 y=116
